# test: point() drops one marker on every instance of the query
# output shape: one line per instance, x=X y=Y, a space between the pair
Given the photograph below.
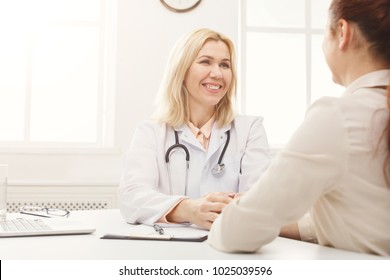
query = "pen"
x=158 y=229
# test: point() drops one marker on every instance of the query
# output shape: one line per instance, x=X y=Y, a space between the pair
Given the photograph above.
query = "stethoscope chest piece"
x=218 y=169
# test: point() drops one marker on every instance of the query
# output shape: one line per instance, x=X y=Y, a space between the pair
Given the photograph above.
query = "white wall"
x=146 y=33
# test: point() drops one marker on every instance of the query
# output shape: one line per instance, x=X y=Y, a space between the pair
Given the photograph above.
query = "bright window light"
x=283 y=69
x=53 y=61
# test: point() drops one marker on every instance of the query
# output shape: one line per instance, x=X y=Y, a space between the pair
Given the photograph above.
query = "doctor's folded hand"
x=203 y=211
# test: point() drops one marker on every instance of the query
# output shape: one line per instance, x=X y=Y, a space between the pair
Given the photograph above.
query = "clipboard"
x=155 y=237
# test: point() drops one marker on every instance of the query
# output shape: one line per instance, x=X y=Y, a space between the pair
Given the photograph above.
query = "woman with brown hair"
x=336 y=165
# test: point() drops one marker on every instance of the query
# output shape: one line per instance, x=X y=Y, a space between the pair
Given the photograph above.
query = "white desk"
x=91 y=247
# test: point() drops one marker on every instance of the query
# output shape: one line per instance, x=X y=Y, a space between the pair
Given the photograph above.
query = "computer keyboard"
x=23 y=225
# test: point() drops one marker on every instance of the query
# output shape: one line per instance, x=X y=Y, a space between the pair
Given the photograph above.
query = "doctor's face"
x=209 y=77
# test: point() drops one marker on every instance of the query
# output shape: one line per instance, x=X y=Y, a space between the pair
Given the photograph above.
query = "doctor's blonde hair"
x=172 y=102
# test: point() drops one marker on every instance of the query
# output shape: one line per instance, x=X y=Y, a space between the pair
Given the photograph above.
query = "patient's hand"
x=290 y=231
x=201 y=212
x=237 y=195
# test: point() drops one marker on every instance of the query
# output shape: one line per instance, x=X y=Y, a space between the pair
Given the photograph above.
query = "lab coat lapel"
x=218 y=139
x=179 y=178
x=186 y=137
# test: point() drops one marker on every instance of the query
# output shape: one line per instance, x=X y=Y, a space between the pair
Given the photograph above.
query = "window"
x=282 y=66
x=55 y=73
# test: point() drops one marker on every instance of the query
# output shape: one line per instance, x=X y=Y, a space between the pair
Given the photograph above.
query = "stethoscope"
x=217 y=170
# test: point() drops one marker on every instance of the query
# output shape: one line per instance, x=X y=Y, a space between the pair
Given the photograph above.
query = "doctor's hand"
x=201 y=212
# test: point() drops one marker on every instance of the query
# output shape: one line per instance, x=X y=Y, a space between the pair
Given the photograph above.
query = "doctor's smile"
x=212 y=88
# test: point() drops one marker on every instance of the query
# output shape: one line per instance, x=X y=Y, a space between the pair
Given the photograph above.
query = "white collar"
x=372 y=79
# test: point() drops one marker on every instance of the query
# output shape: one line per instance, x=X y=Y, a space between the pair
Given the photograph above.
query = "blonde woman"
x=187 y=163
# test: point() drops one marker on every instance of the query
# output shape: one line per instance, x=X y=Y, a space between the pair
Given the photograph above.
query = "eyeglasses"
x=43 y=211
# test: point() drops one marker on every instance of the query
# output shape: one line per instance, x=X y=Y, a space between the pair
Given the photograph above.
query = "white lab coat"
x=145 y=193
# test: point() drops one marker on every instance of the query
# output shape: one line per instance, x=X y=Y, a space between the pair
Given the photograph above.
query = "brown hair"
x=373 y=19
x=386 y=133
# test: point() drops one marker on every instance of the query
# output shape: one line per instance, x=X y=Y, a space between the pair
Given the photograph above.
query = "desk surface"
x=91 y=247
